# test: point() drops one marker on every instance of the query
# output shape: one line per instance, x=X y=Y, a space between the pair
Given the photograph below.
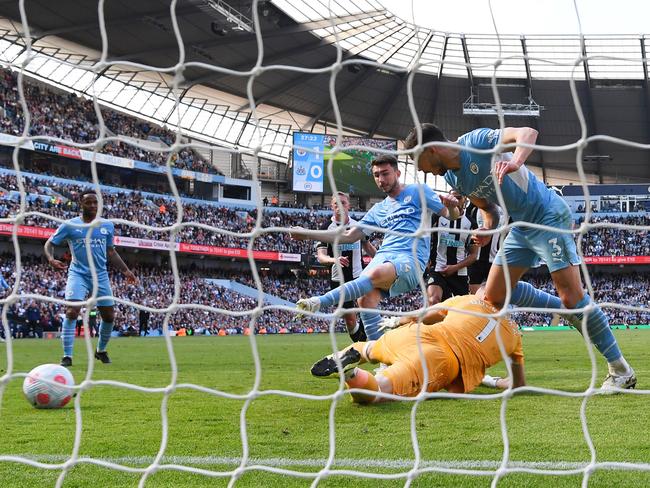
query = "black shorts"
x=451 y=285
x=478 y=272
x=336 y=284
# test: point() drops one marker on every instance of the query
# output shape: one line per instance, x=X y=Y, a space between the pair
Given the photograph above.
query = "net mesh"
x=404 y=471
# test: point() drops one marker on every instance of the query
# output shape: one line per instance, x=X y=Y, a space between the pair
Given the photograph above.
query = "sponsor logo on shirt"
x=449 y=241
x=96 y=242
x=348 y=247
x=485 y=189
x=396 y=216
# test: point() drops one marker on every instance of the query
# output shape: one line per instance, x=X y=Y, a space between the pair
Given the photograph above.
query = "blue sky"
x=527 y=16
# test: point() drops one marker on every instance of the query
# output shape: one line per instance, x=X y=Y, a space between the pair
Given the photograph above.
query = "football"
x=49 y=386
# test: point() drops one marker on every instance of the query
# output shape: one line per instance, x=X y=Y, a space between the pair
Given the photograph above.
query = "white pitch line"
x=344 y=462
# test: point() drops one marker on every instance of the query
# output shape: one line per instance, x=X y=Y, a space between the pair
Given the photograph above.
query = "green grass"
x=126 y=425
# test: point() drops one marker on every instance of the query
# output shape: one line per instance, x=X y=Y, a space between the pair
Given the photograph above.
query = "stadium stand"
x=57 y=199
x=157 y=287
x=67 y=116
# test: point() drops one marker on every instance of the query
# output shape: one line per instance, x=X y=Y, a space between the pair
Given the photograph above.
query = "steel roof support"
x=590 y=114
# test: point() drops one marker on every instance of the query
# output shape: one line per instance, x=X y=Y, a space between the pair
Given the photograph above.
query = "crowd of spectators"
x=617 y=206
x=157 y=290
x=632 y=289
x=73 y=118
x=60 y=201
x=67 y=116
x=614 y=241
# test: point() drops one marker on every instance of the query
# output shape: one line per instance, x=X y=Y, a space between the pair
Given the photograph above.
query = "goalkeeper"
x=457 y=350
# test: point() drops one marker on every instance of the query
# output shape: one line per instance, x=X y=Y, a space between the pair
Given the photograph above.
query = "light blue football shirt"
x=526 y=198
x=101 y=239
x=403 y=214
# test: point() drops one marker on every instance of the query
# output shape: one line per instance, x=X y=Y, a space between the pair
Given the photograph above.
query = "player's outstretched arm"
x=323 y=258
x=518 y=376
x=48 y=249
x=430 y=318
x=348 y=237
x=116 y=260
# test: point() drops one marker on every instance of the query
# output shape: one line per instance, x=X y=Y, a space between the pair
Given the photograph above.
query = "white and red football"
x=49 y=386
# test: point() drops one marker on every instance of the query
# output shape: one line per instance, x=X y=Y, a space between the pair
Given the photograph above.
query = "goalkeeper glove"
x=389 y=323
x=490 y=381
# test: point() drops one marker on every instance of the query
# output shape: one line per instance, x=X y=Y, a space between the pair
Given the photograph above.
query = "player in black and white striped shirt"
x=451 y=254
x=479 y=270
x=350 y=259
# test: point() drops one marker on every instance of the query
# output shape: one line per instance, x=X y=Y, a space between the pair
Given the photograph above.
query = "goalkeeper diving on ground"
x=457 y=348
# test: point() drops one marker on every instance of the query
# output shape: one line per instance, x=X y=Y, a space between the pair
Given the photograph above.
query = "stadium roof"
x=377 y=53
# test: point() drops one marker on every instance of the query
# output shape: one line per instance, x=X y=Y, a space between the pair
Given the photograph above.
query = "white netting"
x=406 y=471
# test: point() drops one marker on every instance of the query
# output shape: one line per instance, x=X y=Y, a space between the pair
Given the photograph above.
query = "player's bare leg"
x=354 y=327
x=473 y=288
x=434 y=294
x=495 y=287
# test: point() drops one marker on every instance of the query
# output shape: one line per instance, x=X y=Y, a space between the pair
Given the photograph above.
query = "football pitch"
x=288 y=433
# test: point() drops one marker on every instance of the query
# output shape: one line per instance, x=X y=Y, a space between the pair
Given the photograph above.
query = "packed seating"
x=632 y=289
x=156 y=290
x=606 y=241
x=160 y=211
x=73 y=118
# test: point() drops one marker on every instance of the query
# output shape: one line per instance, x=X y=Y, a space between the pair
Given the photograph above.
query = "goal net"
x=247 y=412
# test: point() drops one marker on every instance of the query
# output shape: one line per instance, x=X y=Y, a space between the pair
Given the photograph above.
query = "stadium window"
x=236 y=192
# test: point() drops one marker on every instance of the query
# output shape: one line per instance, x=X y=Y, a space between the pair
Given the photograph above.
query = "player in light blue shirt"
x=527 y=200
x=394 y=269
x=80 y=284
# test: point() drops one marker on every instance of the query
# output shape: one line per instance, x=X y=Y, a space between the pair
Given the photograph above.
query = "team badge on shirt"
x=407 y=199
x=473 y=167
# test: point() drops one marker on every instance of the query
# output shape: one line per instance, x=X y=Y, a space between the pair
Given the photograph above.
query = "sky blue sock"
x=599 y=332
x=351 y=291
x=105 y=329
x=371 y=323
x=526 y=295
x=67 y=335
